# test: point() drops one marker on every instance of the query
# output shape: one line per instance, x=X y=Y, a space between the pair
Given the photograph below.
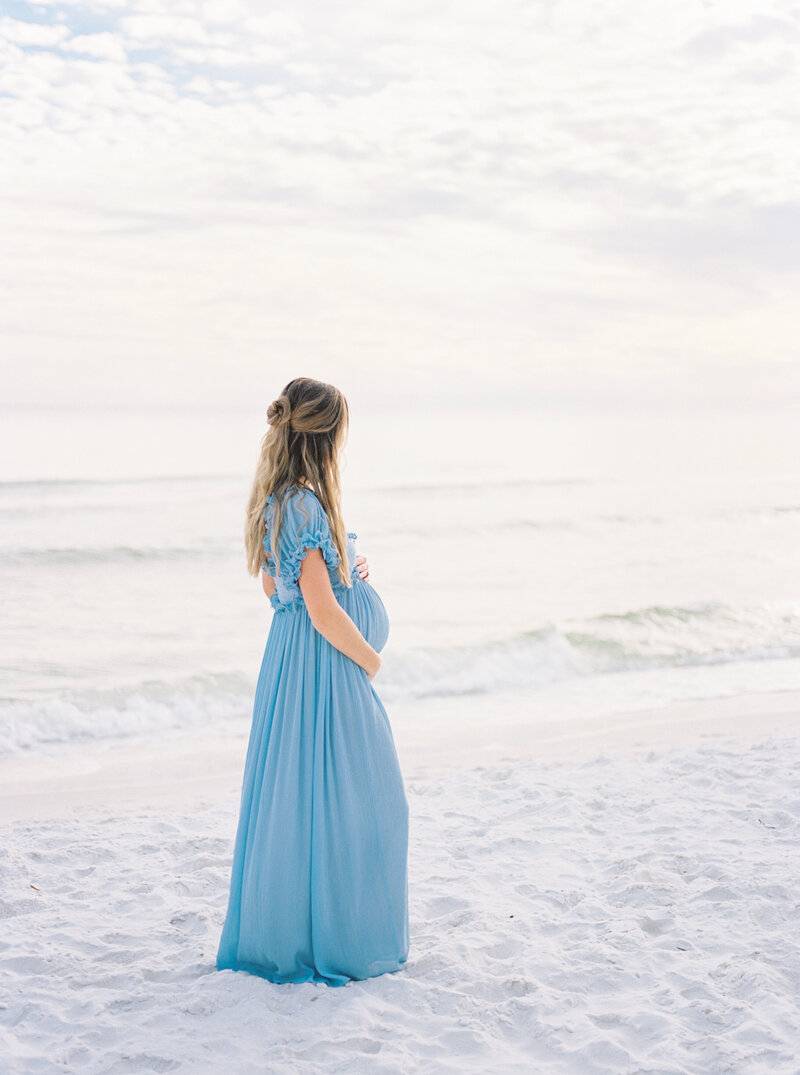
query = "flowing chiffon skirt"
x=319 y=887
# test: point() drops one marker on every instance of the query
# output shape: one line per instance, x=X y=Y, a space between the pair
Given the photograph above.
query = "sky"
x=547 y=204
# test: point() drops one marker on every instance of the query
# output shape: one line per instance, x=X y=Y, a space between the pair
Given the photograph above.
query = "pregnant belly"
x=365 y=608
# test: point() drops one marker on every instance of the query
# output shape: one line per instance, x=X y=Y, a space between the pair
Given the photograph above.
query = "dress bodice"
x=304 y=526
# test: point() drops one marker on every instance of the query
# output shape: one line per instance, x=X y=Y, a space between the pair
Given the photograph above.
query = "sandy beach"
x=614 y=898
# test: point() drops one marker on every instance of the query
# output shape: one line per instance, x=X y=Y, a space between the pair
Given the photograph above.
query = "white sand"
x=635 y=910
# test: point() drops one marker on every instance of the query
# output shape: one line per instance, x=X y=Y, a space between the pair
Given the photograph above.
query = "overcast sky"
x=565 y=201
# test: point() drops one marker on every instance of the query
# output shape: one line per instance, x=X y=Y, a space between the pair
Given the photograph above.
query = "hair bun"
x=279 y=411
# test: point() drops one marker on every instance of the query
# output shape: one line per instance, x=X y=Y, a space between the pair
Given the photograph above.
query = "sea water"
x=570 y=562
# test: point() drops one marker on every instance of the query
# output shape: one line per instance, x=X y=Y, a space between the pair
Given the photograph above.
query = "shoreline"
x=189 y=770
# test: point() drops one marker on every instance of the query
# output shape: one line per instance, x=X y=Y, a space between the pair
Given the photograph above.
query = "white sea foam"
x=521 y=668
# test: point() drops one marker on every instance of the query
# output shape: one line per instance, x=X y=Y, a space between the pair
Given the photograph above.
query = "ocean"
x=555 y=563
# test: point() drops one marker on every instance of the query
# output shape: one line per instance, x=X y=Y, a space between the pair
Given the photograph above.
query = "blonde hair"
x=308 y=425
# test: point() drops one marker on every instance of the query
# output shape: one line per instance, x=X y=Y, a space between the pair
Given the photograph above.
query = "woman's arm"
x=328 y=616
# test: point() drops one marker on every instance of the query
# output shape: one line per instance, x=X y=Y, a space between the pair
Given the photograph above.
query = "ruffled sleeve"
x=304 y=526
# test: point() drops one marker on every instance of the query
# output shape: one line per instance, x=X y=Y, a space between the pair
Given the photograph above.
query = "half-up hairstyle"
x=308 y=425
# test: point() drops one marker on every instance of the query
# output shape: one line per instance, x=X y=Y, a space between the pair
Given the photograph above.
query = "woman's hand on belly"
x=363 y=568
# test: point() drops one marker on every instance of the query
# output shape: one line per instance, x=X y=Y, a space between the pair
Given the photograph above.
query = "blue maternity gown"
x=319 y=883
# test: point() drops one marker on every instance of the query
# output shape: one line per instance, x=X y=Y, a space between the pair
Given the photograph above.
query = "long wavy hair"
x=308 y=426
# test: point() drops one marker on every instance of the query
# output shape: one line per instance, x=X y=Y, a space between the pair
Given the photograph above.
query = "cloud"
x=528 y=188
x=17 y=32
x=719 y=40
x=756 y=237
x=163 y=29
x=103 y=46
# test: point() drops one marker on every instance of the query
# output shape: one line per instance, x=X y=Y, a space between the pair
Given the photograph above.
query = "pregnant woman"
x=319 y=884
